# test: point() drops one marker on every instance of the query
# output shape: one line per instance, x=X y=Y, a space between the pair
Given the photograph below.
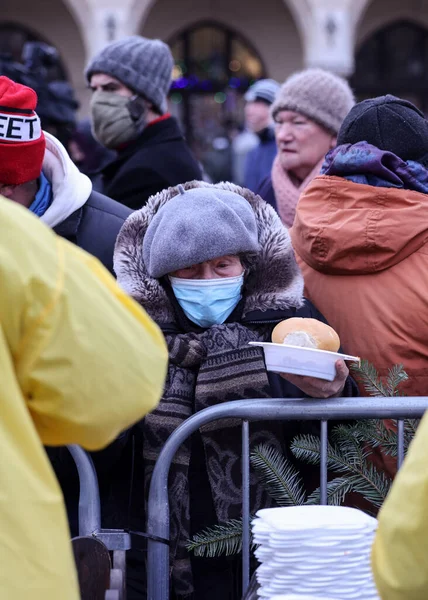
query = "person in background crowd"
x=226 y=283
x=36 y=172
x=130 y=80
x=259 y=99
x=58 y=111
x=242 y=142
x=400 y=550
x=87 y=153
x=361 y=237
x=40 y=69
x=308 y=112
x=79 y=362
x=218 y=160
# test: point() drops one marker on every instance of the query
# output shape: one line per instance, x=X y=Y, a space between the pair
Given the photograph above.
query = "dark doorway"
x=394 y=61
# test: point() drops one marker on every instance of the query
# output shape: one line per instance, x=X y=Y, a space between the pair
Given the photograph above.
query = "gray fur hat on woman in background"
x=143 y=65
x=317 y=94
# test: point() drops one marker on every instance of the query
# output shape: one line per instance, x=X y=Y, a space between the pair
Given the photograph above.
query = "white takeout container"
x=297 y=360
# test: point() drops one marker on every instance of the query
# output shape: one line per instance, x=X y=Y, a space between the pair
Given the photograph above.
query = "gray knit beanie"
x=264 y=90
x=319 y=95
x=198 y=225
x=143 y=65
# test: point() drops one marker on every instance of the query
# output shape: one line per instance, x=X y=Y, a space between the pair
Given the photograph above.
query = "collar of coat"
x=163 y=131
x=273 y=282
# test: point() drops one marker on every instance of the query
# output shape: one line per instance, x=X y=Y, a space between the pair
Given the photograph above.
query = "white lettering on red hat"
x=19 y=129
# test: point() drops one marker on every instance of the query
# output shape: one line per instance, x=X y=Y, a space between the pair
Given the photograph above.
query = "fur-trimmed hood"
x=273 y=280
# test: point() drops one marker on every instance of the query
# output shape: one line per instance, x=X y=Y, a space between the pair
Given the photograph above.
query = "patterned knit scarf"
x=207 y=369
x=286 y=193
x=368 y=165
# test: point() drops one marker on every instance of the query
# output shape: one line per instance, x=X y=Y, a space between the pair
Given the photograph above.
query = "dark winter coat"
x=158 y=159
x=94 y=227
x=201 y=358
x=259 y=161
x=266 y=191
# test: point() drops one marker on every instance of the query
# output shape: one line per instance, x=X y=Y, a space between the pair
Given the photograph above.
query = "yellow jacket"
x=400 y=551
x=79 y=362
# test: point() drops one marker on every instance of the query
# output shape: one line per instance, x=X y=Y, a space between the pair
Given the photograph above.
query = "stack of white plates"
x=296 y=597
x=314 y=553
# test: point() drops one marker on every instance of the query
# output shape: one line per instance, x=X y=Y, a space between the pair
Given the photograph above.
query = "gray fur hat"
x=319 y=95
x=198 y=225
x=143 y=65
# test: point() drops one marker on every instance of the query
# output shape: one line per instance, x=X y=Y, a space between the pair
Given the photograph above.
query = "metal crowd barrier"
x=90 y=505
x=247 y=410
x=256 y=410
x=117 y=541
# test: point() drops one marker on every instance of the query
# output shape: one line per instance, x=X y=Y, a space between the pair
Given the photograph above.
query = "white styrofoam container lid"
x=297 y=360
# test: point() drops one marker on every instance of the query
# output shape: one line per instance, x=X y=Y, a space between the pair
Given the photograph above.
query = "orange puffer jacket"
x=363 y=251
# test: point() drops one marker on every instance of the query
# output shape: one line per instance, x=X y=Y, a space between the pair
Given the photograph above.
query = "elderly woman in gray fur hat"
x=214 y=267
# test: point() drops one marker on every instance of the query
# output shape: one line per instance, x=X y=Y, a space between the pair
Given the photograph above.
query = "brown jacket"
x=363 y=251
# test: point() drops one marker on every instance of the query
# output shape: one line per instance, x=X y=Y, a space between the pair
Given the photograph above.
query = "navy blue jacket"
x=266 y=191
x=259 y=161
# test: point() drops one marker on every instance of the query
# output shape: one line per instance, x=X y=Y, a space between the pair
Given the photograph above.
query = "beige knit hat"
x=319 y=95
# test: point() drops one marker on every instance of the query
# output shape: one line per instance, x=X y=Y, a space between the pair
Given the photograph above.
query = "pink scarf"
x=286 y=193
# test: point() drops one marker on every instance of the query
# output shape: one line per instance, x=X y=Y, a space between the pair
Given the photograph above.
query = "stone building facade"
x=220 y=46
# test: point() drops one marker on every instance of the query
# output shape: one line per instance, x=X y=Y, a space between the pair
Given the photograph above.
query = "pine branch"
x=307 y=448
x=396 y=376
x=349 y=440
x=336 y=492
x=366 y=373
x=225 y=539
x=278 y=476
x=368 y=480
x=376 y=435
x=410 y=426
x=372 y=484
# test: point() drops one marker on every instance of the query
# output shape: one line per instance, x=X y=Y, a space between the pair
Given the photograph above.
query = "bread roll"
x=307 y=333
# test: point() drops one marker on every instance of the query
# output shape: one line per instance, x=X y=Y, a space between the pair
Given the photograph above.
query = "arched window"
x=394 y=61
x=214 y=66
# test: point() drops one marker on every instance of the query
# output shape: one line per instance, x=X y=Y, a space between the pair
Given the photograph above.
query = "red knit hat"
x=22 y=142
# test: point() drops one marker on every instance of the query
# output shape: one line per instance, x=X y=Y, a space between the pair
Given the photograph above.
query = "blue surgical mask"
x=208 y=302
